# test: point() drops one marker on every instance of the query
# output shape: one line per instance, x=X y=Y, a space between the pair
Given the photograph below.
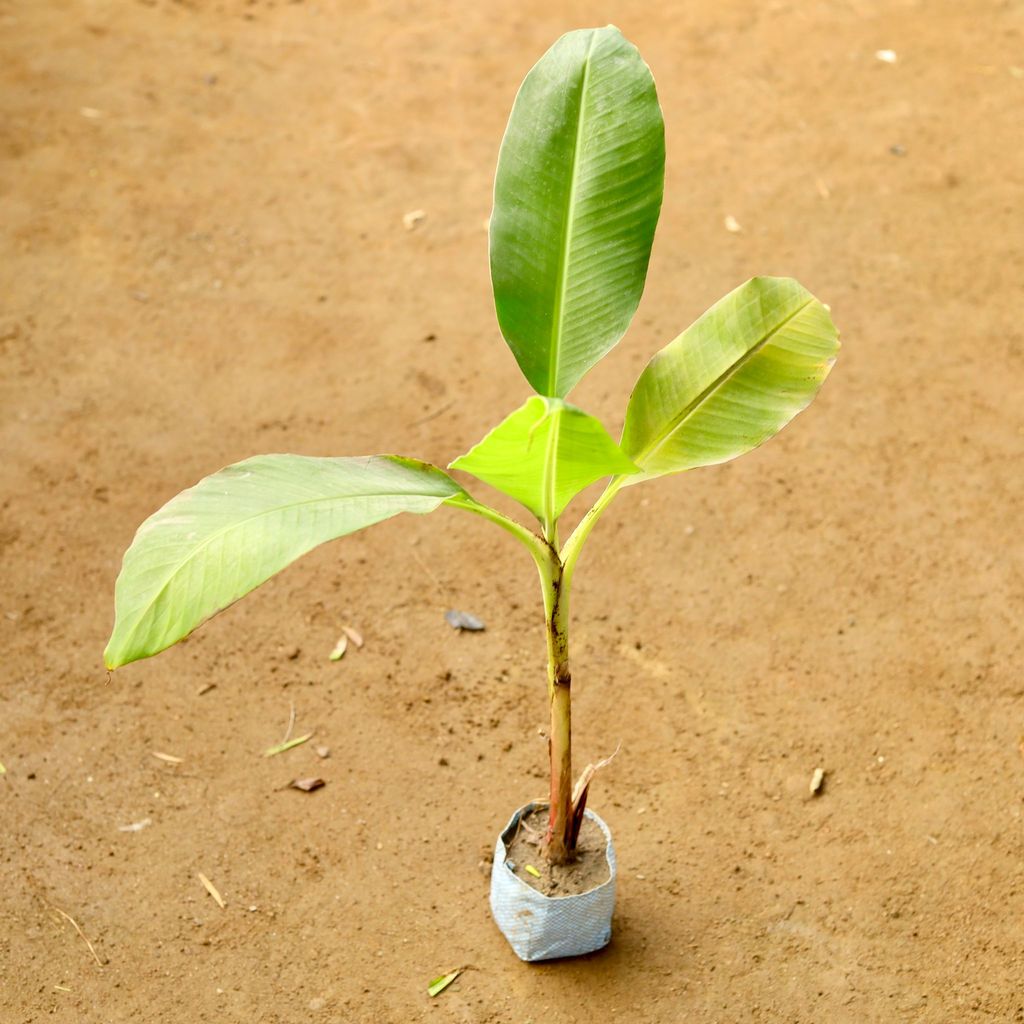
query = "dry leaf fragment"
x=412 y=218
x=354 y=635
x=339 y=648
x=136 y=826
x=579 y=791
x=212 y=890
x=167 y=758
x=588 y=773
x=307 y=785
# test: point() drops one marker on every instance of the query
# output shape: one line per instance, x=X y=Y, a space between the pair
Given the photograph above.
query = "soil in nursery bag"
x=587 y=872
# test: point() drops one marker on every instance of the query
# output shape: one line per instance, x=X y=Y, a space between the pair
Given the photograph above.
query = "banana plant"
x=577 y=195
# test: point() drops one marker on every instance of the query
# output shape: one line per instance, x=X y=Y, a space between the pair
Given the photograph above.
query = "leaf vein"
x=557 y=320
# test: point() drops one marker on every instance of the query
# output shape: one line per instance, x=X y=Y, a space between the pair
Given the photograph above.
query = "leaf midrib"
x=551 y=468
x=677 y=421
x=558 y=317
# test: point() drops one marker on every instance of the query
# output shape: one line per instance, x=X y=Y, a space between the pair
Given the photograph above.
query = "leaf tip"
x=120 y=651
x=112 y=660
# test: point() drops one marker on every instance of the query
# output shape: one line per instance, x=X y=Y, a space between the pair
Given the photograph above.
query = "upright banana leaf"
x=576 y=200
x=215 y=542
x=544 y=454
x=731 y=380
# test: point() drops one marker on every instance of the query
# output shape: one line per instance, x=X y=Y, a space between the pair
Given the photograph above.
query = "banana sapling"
x=577 y=196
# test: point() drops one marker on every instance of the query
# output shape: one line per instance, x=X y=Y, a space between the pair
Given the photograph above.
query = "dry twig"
x=74 y=924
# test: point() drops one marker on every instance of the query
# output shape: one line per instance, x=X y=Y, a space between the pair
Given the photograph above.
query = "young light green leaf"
x=576 y=200
x=731 y=380
x=544 y=454
x=215 y=542
x=438 y=985
x=280 y=748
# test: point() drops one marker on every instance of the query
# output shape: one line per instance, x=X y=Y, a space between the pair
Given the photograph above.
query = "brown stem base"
x=555 y=850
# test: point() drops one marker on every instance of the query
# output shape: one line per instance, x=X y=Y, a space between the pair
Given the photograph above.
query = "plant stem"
x=574 y=545
x=554 y=584
x=556 y=571
x=557 y=847
x=556 y=578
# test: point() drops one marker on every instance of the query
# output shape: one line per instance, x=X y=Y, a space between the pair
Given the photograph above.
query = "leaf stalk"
x=574 y=545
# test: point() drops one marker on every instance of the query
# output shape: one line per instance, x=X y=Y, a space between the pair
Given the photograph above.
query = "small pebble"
x=463 y=621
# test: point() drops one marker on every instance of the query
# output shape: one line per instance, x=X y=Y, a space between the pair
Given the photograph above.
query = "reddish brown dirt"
x=204 y=257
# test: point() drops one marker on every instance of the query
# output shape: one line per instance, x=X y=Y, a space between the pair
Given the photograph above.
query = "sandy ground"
x=203 y=257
